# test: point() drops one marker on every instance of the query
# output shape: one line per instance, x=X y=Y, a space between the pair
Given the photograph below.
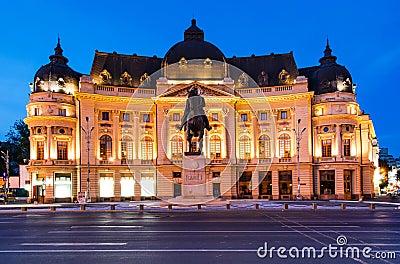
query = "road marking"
x=215 y=231
x=73 y=244
x=105 y=226
x=374 y=245
x=195 y=250
x=307 y=226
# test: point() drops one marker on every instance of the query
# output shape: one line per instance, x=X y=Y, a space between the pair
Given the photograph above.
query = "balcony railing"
x=285 y=160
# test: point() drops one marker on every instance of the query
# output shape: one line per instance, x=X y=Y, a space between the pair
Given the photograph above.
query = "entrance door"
x=216 y=190
x=177 y=189
x=347 y=184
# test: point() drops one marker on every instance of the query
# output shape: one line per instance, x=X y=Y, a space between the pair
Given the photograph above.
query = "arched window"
x=105 y=147
x=284 y=146
x=176 y=147
x=147 y=148
x=215 y=146
x=264 y=146
x=244 y=148
x=126 y=149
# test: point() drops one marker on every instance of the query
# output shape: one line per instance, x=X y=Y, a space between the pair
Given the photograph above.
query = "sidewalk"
x=252 y=204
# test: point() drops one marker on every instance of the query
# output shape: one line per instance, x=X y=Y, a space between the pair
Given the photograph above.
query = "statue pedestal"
x=194 y=176
x=194 y=181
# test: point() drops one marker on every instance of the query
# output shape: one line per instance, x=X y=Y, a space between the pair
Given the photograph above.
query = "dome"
x=56 y=71
x=331 y=77
x=193 y=47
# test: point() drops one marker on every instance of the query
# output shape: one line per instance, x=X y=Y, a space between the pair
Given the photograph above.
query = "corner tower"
x=53 y=126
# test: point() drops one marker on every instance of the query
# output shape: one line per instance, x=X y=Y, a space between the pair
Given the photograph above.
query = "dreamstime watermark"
x=332 y=251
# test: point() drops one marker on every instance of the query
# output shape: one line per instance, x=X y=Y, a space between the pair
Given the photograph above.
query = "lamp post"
x=298 y=139
x=6 y=159
x=43 y=189
x=88 y=132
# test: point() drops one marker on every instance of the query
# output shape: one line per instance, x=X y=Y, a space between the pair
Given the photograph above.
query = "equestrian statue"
x=194 y=120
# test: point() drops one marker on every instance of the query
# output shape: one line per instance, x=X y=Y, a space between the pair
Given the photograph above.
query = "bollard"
x=256 y=206
x=228 y=206
x=372 y=206
x=285 y=206
x=314 y=206
x=23 y=209
x=342 y=206
x=52 y=208
x=112 y=207
x=170 y=207
x=199 y=207
x=82 y=207
x=141 y=207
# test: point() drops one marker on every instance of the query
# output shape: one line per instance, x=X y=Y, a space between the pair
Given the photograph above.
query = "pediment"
x=182 y=90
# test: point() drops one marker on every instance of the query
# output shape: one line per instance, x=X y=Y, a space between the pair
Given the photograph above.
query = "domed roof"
x=193 y=47
x=57 y=70
x=331 y=77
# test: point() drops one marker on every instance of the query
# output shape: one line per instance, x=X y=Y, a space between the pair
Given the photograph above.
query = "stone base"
x=194 y=176
x=192 y=200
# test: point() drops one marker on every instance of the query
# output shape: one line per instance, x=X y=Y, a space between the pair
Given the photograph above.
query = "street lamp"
x=298 y=139
x=88 y=132
x=6 y=159
x=43 y=189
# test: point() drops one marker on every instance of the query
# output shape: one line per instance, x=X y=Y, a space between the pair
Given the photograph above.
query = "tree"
x=17 y=144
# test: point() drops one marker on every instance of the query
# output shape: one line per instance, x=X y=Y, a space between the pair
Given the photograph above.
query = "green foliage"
x=17 y=144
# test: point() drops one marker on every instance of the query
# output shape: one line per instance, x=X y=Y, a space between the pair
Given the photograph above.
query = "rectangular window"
x=105 y=116
x=37 y=111
x=244 y=184
x=176 y=174
x=264 y=116
x=346 y=148
x=62 y=112
x=327 y=148
x=216 y=174
x=244 y=117
x=214 y=117
x=265 y=180
x=176 y=117
x=40 y=150
x=62 y=185
x=62 y=150
x=284 y=115
x=146 y=118
x=327 y=181
x=126 y=117
x=285 y=182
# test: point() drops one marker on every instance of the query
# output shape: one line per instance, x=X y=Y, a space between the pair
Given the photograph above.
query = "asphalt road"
x=197 y=237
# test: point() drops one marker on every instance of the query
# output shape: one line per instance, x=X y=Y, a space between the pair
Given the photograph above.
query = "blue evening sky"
x=364 y=35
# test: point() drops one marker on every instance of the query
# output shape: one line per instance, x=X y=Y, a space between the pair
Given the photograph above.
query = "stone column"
x=338 y=142
x=136 y=135
x=116 y=149
x=49 y=139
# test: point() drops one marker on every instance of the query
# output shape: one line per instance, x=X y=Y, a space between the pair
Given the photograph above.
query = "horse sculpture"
x=194 y=120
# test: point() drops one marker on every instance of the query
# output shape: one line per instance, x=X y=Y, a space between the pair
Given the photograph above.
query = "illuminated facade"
x=134 y=104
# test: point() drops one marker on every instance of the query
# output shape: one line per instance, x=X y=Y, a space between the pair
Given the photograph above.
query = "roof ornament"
x=328 y=58
x=58 y=53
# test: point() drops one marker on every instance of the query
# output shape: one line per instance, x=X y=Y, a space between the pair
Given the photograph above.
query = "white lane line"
x=106 y=226
x=307 y=226
x=73 y=244
x=374 y=244
x=195 y=250
x=216 y=231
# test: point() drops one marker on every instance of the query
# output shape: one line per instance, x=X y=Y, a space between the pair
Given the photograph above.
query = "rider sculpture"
x=194 y=119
